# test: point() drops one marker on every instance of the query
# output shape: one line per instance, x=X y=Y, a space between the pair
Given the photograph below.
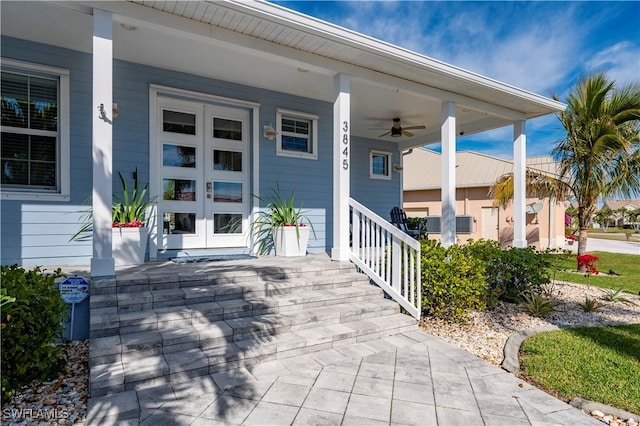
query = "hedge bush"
x=512 y=272
x=32 y=327
x=453 y=282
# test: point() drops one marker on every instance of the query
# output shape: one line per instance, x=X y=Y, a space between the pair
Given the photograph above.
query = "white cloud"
x=621 y=62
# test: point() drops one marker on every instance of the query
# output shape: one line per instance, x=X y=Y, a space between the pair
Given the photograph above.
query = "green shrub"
x=512 y=272
x=32 y=327
x=453 y=282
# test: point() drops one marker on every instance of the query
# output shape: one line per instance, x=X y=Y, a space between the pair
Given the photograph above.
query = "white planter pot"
x=129 y=245
x=289 y=243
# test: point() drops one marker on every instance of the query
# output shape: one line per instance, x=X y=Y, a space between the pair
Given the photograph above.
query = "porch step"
x=145 y=367
x=147 y=329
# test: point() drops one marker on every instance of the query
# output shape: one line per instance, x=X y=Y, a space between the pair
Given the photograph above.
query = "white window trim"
x=64 y=158
x=313 y=155
x=378 y=153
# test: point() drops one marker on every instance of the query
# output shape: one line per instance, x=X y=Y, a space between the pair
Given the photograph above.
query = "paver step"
x=224 y=275
x=146 y=368
x=193 y=329
x=148 y=296
x=111 y=320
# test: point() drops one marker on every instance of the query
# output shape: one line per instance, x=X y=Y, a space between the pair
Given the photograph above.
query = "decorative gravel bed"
x=62 y=401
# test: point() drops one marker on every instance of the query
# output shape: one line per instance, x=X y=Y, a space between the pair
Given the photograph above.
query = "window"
x=34 y=149
x=380 y=165
x=297 y=134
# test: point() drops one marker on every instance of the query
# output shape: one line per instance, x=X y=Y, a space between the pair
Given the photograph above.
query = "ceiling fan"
x=397 y=130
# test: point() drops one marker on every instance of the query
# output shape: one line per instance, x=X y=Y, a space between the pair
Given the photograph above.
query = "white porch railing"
x=389 y=256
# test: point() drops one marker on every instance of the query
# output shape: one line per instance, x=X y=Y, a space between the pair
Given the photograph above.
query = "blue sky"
x=543 y=46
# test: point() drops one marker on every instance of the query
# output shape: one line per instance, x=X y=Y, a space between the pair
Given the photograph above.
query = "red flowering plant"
x=571 y=237
x=586 y=263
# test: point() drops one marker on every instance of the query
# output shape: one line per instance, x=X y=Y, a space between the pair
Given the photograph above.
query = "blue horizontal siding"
x=37 y=233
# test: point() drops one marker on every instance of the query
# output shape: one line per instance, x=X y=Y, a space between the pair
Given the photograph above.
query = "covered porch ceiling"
x=263 y=45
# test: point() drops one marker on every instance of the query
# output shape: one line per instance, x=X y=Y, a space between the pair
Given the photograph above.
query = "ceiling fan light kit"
x=398 y=131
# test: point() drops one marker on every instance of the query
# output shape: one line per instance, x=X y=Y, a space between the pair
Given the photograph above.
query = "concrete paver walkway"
x=412 y=378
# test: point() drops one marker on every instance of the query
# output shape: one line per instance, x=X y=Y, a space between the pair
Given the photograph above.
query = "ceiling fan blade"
x=407 y=134
x=421 y=126
x=384 y=134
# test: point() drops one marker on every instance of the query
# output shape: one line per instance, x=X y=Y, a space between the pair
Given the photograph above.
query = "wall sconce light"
x=269 y=132
x=115 y=111
x=509 y=219
x=397 y=168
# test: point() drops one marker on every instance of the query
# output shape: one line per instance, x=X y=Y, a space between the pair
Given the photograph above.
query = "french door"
x=204 y=175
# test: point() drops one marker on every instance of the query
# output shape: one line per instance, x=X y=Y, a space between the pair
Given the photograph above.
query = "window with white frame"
x=34 y=149
x=380 y=165
x=297 y=134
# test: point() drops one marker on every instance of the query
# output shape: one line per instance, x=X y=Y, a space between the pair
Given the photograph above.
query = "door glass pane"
x=227 y=223
x=230 y=161
x=178 y=122
x=227 y=129
x=178 y=156
x=179 y=223
x=178 y=190
x=227 y=192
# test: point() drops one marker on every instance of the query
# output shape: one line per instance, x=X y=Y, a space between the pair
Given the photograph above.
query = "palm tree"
x=600 y=155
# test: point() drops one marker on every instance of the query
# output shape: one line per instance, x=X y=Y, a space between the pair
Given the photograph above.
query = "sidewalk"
x=411 y=379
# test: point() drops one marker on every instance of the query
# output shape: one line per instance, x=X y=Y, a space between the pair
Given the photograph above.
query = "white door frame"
x=155 y=188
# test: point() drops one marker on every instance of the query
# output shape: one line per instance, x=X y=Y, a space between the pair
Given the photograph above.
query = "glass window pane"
x=179 y=223
x=178 y=190
x=178 y=122
x=29 y=160
x=227 y=192
x=43 y=148
x=44 y=104
x=178 y=156
x=43 y=174
x=380 y=165
x=15 y=100
x=295 y=126
x=292 y=143
x=227 y=129
x=230 y=161
x=227 y=223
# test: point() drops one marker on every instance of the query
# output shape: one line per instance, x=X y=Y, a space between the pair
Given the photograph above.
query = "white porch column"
x=341 y=166
x=102 y=263
x=519 y=184
x=448 y=197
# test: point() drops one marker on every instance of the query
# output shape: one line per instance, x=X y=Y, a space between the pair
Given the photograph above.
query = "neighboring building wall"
x=472 y=201
x=37 y=233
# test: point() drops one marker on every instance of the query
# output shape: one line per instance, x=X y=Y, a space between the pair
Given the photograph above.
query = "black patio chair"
x=399 y=219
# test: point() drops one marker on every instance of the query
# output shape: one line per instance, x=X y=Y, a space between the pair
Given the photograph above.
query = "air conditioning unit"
x=464 y=224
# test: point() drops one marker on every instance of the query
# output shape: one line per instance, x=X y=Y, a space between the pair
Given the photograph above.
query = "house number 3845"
x=345 y=141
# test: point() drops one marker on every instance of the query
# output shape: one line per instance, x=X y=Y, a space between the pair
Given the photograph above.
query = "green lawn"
x=616 y=236
x=627 y=265
x=596 y=363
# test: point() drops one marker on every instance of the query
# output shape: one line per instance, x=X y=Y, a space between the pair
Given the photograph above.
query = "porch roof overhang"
x=264 y=45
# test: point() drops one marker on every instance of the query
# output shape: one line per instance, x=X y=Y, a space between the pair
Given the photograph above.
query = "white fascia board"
x=348 y=37
x=144 y=16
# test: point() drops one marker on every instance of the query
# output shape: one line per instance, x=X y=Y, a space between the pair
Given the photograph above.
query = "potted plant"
x=281 y=226
x=129 y=219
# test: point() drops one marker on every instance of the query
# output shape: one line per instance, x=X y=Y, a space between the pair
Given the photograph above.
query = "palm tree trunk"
x=582 y=247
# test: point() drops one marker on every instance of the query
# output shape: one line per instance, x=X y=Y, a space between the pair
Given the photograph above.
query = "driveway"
x=612 y=246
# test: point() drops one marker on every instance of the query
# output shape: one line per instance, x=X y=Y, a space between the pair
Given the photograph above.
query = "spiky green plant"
x=279 y=210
